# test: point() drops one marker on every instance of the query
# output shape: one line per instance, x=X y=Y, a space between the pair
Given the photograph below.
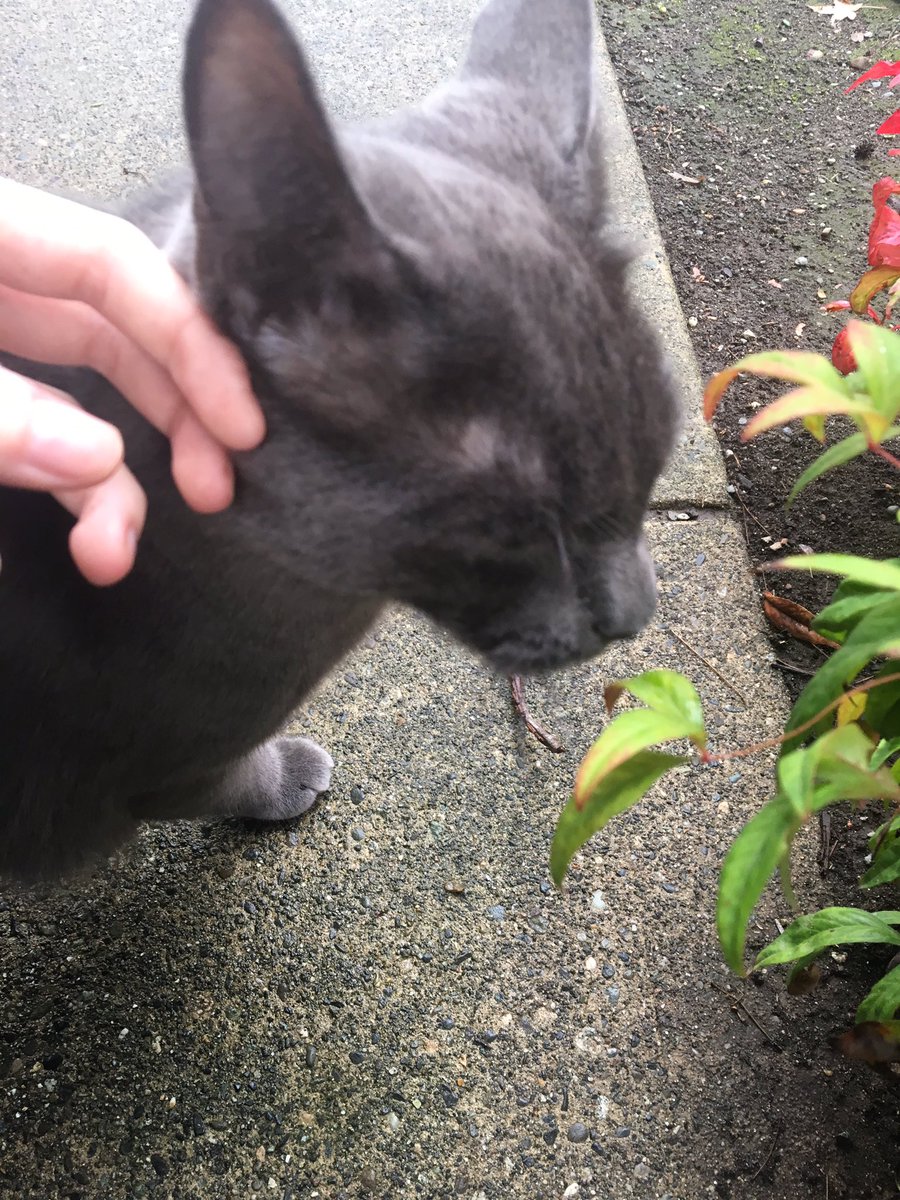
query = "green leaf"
x=885 y=866
x=878 y=631
x=883 y=751
x=748 y=867
x=883 y=703
x=828 y=927
x=835 y=456
x=883 y=999
x=883 y=575
x=793 y=366
x=877 y=354
x=624 y=786
x=890 y=826
x=675 y=712
x=844 y=613
x=670 y=693
x=814 y=401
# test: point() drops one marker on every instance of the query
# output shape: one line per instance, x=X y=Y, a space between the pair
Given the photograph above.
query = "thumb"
x=47 y=442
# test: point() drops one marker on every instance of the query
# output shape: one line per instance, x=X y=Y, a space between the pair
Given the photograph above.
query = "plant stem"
x=878 y=449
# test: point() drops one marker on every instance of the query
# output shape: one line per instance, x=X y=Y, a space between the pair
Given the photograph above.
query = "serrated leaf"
x=845 y=613
x=877 y=354
x=793 y=366
x=814 y=401
x=836 y=456
x=883 y=707
x=748 y=867
x=870 y=285
x=883 y=575
x=875 y=632
x=883 y=751
x=883 y=999
x=886 y=866
x=627 y=784
x=828 y=927
x=675 y=712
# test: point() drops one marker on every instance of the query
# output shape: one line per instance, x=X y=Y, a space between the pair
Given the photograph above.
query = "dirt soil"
x=761 y=172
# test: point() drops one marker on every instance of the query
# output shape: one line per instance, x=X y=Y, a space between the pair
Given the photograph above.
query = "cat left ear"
x=544 y=49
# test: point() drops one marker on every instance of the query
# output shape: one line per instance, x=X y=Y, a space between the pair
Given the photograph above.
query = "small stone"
x=692 y=322
x=251 y=854
x=801 y=261
x=860 y=63
x=160 y=1165
x=393 y=1122
x=825 y=232
x=358 y=834
x=356 y=795
x=598 y=904
x=357 y=1057
x=608 y=971
x=353 y=679
x=572 y=1190
x=642 y=1171
x=497 y=912
x=668 y=887
x=815 y=55
x=445 y=1023
x=455 y=887
x=311 y=1055
x=590 y=964
x=700 y=559
x=613 y=995
x=367 y=1180
x=577 y=1133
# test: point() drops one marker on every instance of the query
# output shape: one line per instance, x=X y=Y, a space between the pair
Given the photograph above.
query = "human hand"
x=82 y=287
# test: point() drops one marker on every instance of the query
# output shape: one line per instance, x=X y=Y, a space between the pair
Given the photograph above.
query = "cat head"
x=466 y=413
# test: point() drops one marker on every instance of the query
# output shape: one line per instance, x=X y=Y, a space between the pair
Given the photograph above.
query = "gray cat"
x=465 y=414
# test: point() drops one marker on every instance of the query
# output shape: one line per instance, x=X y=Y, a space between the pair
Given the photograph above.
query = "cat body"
x=464 y=414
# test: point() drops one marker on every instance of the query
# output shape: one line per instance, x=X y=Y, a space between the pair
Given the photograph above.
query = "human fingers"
x=46 y=442
x=54 y=247
x=67 y=332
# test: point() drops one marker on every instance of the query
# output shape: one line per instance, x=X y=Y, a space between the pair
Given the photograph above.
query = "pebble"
x=311 y=1055
x=577 y=1133
x=393 y=1122
x=455 y=887
x=357 y=833
x=815 y=55
x=598 y=904
x=572 y=1190
x=668 y=887
x=613 y=994
x=642 y=1171
x=497 y=912
x=801 y=261
x=356 y=795
x=160 y=1165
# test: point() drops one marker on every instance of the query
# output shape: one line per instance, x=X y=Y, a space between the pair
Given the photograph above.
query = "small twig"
x=737 y=1003
x=517 y=687
x=793 y=667
x=756 y=1174
x=706 y=663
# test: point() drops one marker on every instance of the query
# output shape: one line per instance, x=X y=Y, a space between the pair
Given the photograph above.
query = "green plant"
x=842 y=739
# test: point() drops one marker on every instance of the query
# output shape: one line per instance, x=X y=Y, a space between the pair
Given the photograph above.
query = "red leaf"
x=883 y=188
x=879 y=71
x=884 y=232
x=842 y=354
x=890 y=126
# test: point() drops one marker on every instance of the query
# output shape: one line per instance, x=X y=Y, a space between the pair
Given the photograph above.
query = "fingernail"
x=70 y=443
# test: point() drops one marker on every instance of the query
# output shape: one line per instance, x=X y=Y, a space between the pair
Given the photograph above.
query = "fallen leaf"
x=841 y=10
x=679 y=178
x=874 y=1042
x=793 y=619
x=798 y=332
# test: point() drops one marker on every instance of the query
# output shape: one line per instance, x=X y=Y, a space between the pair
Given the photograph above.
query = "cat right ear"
x=277 y=215
x=545 y=50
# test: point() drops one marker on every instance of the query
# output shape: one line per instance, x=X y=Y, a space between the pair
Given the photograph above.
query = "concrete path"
x=389 y=999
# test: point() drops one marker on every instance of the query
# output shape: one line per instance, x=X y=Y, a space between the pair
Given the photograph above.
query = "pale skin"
x=81 y=287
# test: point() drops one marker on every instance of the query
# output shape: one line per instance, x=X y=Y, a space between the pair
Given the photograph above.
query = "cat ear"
x=544 y=49
x=276 y=211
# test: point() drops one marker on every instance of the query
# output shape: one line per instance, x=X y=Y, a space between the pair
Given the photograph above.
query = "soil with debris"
x=761 y=172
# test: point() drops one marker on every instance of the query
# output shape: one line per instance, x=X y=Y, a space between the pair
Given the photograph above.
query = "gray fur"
x=465 y=414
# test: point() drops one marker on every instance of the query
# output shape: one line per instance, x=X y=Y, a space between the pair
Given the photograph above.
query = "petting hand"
x=81 y=287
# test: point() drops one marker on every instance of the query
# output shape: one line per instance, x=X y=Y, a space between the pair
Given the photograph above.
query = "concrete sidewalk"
x=390 y=999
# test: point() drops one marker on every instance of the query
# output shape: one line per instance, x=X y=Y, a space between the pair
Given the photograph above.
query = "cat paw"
x=306 y=774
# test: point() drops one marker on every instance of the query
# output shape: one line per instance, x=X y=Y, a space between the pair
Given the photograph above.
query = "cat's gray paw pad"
x=306 y=774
